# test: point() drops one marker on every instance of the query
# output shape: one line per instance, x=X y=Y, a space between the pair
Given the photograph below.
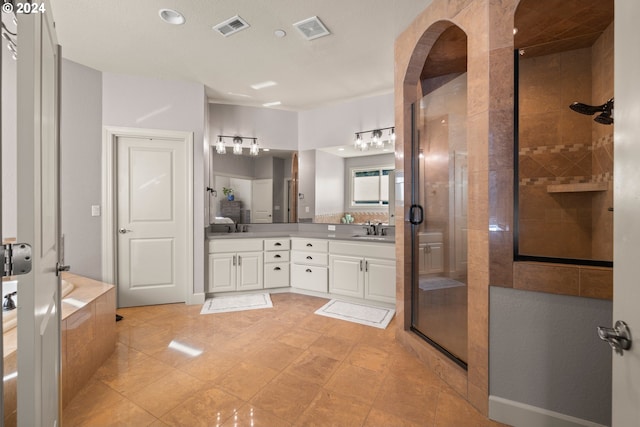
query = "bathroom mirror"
x=564 y=173
x=354 y=186
x=249 y=189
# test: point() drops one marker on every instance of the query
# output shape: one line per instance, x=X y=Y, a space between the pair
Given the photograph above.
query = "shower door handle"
x=416 y=214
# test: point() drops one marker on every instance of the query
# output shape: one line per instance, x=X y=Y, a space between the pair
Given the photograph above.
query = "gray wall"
x=329 y=170
x=9 y=138
x=80 y=179
x=137 y=102
x=545 y=352
x=276 y=129
x=338 y=123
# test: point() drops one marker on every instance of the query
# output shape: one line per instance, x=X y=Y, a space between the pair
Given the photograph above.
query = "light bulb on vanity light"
x=237 y=145
x=220 y=149
x=254 y=150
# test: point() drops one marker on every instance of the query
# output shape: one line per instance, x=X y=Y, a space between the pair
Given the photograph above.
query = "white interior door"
x=38 y=221
x=152 y=223
x=262 y=201
x=626 y=295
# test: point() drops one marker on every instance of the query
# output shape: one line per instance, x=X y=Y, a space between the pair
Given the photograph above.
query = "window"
x=370 y=186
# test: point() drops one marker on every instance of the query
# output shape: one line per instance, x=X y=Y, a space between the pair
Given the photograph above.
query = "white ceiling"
x=356 y=60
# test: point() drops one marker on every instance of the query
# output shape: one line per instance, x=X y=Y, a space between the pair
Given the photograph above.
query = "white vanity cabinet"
x=430 y=253
x=362 y=270
x=309 y=260
x=235 y=265
x=276 y=263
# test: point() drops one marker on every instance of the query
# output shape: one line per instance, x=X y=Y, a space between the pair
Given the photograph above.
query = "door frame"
x=110 y=136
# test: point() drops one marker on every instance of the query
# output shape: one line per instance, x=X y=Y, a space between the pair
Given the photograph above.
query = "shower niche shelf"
x=581 y=187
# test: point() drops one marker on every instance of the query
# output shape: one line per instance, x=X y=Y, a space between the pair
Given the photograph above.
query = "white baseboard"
x=519 y=414
x=196 y=299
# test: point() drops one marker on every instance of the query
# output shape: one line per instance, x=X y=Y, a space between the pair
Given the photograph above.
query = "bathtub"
x=10 y=318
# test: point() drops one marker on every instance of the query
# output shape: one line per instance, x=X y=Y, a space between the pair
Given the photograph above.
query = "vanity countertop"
x=303 y=234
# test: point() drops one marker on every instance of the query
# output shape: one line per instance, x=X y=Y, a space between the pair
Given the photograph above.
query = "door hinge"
x=16 y=259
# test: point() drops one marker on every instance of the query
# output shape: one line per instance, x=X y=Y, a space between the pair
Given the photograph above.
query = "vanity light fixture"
x=376 y=140
x=254 y=148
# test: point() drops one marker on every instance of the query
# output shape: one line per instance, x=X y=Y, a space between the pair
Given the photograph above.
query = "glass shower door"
x=439 y=232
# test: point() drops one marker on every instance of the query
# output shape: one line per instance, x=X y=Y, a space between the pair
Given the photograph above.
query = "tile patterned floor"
x=283 y=366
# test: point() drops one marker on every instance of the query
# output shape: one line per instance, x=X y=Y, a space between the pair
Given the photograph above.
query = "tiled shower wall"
x=559 y=146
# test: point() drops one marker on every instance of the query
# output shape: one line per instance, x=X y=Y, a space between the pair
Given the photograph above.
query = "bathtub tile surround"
x=88 y=339
x=284 y=366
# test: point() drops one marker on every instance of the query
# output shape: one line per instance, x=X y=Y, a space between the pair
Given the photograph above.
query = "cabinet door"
x=222 y=272
x=250 y=268
x=346 y=275
x=380 y=280
x=435 y=258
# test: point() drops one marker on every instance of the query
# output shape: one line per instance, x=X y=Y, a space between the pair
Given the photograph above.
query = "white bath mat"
x=434 y=283
x=236 y=303
x=377 y=317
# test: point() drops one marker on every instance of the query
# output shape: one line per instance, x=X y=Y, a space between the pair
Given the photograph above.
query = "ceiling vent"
x=231 y=26
x=312 y=28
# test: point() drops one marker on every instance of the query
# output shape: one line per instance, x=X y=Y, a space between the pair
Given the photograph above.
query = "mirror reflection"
x=253 y=189
x=354 y=186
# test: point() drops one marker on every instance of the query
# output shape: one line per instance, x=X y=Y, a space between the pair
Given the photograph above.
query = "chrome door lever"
x=618 y=337
x=124 y=230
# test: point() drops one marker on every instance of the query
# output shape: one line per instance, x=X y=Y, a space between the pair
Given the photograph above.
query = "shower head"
x=604 y=119
x=606 y=111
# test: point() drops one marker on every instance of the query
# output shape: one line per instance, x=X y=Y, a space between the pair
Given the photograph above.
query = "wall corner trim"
x=523 y=415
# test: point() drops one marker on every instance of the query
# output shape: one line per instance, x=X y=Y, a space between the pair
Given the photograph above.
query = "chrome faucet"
x=370 y=228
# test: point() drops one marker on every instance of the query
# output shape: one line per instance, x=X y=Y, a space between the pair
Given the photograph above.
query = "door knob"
x=618 y=337
x=61 y=267
x=124 y=230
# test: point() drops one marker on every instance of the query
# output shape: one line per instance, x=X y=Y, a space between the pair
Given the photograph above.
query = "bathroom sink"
x=365 y=237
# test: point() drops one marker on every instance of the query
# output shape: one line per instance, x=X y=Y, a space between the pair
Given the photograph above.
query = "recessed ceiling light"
x=280 y=33
x=340 y=149
x=263 y=85
x=271 y=104
x=171 y=16
x=266 y=149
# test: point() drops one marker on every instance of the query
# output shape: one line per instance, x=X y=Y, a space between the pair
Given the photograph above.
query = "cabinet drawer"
x=309 y=277
x=310 y=245
x=276 y=275
x=277 y=244
x=235 y=245
x=374 y=250
x=309 y=258
x=276 y=256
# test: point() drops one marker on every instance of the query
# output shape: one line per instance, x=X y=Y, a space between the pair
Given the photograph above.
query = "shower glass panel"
x=440 y=182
